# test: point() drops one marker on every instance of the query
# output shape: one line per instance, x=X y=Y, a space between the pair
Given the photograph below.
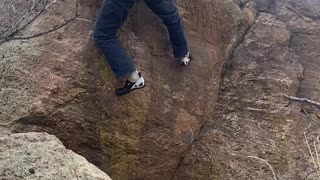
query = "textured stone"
x=278 y=57
x=42 y=156
x=59 y=83
x=247 y=122
x=263 y=5
x=303 y=20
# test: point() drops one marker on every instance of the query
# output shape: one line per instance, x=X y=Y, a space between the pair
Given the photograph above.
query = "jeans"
x=113 y=14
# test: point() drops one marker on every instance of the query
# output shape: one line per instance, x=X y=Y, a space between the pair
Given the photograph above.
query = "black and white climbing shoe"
x=130 y=86
x=186 y=59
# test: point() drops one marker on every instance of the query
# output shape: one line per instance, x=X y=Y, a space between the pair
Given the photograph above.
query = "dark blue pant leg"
x=112 y=15
x=167 y=11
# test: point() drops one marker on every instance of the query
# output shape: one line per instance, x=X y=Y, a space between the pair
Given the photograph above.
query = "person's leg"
x=112 y=15
x=167 y=11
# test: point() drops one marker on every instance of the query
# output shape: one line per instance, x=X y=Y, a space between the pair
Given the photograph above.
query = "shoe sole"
x=132 y=90
x=137 y=88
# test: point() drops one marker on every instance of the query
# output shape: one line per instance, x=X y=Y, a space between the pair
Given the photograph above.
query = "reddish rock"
x=59 y=83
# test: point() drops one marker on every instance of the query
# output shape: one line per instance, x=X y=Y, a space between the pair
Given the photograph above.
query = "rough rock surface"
x=248 y=123
x=42 y=156
x=59 y=83
x=278 y=57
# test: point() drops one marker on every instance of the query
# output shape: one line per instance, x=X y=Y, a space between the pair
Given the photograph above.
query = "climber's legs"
x=167 y=11
x=112 y=15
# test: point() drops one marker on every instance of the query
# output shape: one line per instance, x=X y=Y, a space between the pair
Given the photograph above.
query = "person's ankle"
x=134 y=77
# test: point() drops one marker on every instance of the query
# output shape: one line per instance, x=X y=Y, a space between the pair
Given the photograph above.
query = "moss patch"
x=120 y=135
x=105 y=72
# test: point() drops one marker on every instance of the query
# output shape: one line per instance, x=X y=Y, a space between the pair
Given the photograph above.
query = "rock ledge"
x=42 y=156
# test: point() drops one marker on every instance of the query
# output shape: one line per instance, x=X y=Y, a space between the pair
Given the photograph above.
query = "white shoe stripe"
x=137 y=84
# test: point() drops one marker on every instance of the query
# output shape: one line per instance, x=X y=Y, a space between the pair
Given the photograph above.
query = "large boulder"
x=254 y=123
x=42 y=156
x=252 y=117
x=59 y=83
x=205 y=121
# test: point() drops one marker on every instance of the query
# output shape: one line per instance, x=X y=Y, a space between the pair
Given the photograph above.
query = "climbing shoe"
x=130 y=86
x=186 y=59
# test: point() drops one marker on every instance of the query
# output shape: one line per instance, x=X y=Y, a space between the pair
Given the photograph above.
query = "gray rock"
x=263 y=5
x=42 y=156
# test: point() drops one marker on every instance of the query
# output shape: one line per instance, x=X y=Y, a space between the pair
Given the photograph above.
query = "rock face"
x=198 y=122
x=42 y=156
x=59 y=83
x=278 y=57
x=247 y=123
